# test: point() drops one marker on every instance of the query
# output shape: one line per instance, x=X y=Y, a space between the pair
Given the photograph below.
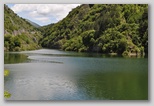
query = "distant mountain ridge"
x=33 y=23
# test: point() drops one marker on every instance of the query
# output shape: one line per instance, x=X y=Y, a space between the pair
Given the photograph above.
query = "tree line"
x=103 y=28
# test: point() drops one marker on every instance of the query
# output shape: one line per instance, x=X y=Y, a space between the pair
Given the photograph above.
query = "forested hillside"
x=104 y=28
x=18 y=33
x=45 y=30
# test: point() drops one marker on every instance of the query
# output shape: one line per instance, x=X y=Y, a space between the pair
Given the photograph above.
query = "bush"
x=125 y=53
x=17 y=49
x=6 y=73
x=7 y=94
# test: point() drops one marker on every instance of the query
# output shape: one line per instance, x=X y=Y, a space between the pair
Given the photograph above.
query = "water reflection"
x=115 y=85
x=45 y=75
x=10 y=58
x=34 y=81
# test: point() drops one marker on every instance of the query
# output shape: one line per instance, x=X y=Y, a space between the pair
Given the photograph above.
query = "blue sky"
x=42 y=14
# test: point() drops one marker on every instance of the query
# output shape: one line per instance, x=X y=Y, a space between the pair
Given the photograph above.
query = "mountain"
x=45 y=30
x=33 y=23
x=104 y=28
x=18 y=33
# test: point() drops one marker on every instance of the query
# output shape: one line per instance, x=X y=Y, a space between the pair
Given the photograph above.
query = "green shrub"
x=6 y=73
x=7 y=94
x=125 y=53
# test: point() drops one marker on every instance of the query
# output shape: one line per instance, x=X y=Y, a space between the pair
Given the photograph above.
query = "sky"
x=42 y=14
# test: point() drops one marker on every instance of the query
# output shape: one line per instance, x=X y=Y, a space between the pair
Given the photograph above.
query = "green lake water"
x=48 y=74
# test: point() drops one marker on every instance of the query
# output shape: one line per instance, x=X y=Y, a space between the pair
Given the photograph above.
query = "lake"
x=49 y=74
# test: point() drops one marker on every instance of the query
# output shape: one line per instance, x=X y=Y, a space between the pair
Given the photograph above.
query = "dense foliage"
x=105 y=28
x=18 y=33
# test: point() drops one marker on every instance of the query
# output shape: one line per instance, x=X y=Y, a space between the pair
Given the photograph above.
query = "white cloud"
x=44 y=12
x=23 y=7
